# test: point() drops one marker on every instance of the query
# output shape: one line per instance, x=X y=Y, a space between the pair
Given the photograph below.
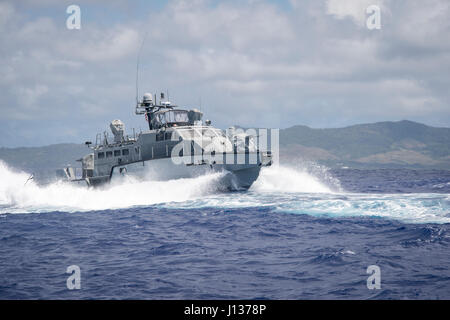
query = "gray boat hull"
x=235 y=176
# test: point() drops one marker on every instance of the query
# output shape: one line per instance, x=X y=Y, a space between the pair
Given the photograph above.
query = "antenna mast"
x=137 y=69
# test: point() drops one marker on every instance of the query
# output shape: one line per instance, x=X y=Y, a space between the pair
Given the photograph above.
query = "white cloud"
x=354 y=9
x=29 y=96
x=102 y=46
x=6 y=12
x=298 y=65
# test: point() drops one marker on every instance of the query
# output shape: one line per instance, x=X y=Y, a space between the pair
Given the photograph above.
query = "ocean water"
x=302 y=232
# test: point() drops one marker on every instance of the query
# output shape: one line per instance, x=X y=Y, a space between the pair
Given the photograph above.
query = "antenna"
x=205 y=109
x=137 y=68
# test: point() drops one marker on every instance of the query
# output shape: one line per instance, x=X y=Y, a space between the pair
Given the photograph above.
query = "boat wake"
x=279 y=188
x=19 y=196
x=295 y=180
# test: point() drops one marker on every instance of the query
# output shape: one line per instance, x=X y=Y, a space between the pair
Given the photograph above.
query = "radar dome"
x=147 y=98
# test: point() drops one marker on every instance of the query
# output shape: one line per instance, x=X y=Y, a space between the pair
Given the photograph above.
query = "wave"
x=408 y=208
x=16 y=196
x=282 y=189
x=290 y=179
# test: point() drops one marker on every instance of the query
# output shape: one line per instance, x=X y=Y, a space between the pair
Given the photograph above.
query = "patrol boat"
x=176 y=145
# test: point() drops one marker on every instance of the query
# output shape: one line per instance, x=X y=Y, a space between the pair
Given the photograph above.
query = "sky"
x=254 y=63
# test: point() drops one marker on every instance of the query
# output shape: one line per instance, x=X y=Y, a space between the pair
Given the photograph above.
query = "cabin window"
x=108 y=154
x=116 y=153
x=168 y=136
x=125 y=152
x=101 y=155
x=177 y=116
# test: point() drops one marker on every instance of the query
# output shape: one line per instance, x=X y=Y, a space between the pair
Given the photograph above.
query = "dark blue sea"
x=298 y=233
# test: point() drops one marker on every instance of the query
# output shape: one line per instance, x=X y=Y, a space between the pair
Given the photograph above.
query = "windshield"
x=171 y=117
x=176 y=116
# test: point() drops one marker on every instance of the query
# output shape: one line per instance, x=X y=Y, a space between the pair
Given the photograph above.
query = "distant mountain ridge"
x=382 y=144
x=43 y=159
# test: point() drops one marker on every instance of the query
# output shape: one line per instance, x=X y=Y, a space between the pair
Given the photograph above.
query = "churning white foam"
x=286 y=189
x=409 y=208
x=286 y=179
x=16 y=196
